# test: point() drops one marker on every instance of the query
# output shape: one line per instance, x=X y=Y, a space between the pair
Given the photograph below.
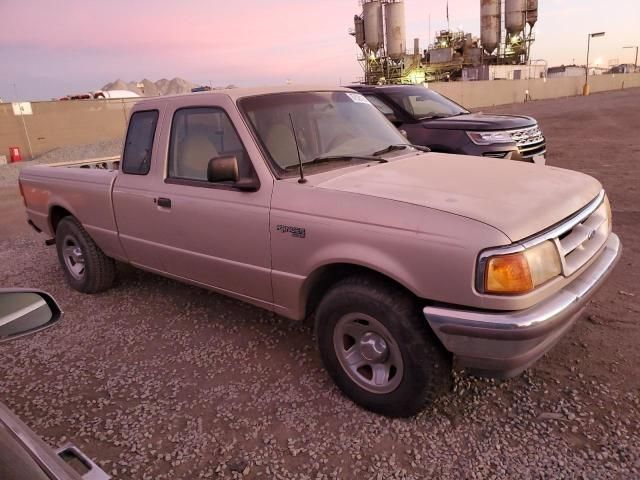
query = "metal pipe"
x=585 y=89
x=586 y=70
x=26 y=132
x=24 y=124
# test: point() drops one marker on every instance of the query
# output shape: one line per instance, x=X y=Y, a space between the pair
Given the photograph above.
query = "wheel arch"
x=56 y=214
x=324 y=277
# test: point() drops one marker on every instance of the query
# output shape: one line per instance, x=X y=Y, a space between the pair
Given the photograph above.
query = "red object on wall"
x=14 y=154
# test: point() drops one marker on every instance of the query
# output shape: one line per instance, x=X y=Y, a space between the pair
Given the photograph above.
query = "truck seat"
x=193 y=157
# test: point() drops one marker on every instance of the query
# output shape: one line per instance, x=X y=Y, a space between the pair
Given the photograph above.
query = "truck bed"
x=81 y=188
x=100 y=163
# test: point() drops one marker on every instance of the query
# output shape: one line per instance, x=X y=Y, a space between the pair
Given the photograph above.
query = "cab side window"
x=136 y=159
x=199 y=134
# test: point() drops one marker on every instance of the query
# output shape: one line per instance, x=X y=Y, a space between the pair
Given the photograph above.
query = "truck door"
x=134 y=190
x=207 y=233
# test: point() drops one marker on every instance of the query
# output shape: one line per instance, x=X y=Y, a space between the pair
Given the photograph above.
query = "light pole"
x=635 y=65
x=585 y=89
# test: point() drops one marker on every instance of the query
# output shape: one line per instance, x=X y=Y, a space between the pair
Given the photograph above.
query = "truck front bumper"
x=503 y=344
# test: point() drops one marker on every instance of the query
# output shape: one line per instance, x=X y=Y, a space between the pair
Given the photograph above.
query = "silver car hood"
x=520 y=199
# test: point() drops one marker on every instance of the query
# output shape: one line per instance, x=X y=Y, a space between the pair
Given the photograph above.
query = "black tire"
x=99 y=270
x=425 y=364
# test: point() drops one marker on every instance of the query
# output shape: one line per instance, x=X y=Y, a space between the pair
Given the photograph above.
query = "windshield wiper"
x=433 y=117
x=442 y=115
x=400 y=146
x=331 y=158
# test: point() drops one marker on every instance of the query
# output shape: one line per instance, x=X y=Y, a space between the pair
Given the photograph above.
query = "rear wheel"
x=378 y=349
x=86 y=268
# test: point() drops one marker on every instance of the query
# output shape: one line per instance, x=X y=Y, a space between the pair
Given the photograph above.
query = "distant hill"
x=175 y=86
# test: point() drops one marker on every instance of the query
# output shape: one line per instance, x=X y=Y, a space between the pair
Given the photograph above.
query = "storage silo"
x=396 y=30
x=373 y=31
x=490 y=25
x=532 y=12
x=358 y=24
x=514 y=16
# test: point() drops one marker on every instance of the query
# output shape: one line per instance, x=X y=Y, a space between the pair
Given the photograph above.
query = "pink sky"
x=54 y=48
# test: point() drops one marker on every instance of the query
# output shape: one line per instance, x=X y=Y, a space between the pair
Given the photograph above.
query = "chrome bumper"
x=503 y=344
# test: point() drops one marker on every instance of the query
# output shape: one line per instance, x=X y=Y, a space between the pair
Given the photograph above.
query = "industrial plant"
x=380 y=33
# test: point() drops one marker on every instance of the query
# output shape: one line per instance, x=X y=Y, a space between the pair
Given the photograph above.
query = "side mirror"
x=24 y=312
x=222 y=169
x=225 y=169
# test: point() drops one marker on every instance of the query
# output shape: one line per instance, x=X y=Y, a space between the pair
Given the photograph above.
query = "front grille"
x=581 y=242
x=530 y=141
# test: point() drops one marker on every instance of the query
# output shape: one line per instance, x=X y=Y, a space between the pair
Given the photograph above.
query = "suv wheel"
x=378 y=349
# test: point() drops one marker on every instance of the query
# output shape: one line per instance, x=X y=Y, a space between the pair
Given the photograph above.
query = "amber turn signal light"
x=508 y=274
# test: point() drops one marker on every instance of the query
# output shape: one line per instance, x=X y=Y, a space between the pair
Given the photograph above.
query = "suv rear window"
x=136 y=159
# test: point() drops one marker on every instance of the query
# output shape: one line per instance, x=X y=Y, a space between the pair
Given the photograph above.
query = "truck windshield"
x=340 y=125
x=422 y=103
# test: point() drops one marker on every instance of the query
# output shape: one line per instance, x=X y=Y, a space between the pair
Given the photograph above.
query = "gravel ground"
x=159 y=380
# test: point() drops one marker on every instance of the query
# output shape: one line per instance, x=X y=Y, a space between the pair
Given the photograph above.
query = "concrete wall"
x=62 y=123
x=501 y=92
x=77 y=122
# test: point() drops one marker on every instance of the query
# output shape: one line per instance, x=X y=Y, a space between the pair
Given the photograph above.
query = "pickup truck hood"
x=480 y=121
x=519 y=199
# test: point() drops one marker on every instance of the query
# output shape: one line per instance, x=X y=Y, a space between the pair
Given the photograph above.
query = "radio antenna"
x=295 y=138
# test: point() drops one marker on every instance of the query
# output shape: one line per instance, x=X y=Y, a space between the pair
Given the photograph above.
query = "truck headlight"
x=523 y=271
x=489 y=138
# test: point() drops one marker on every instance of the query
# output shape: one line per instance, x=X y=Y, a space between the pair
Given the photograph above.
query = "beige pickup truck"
x=309 y=203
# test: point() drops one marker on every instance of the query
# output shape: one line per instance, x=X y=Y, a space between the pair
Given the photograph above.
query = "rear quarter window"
x=136 y=159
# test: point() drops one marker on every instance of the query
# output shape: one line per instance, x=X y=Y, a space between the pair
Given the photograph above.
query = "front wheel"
x=86 y=268
x=378 y=349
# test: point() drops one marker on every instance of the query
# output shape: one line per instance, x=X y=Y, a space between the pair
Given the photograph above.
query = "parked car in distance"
x=24 y=455
x=101 y=95
x=309 y=203
x=98 y=94
x=432 y=120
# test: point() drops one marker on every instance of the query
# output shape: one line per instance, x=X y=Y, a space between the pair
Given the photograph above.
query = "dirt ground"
x=155 y=379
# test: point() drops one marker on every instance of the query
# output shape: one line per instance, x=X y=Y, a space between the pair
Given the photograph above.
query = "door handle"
x=162 y=202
